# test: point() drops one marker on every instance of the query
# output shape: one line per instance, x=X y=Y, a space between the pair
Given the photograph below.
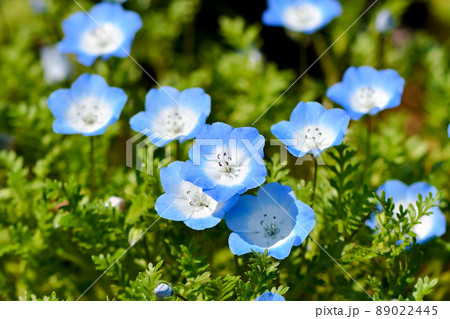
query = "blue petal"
x=421 y=188
x=305 y=220
x=171 y=178
x=275 y=196
x=273 y=15
x=337 y=120
x=203 y=223
x=166 y=207
x=196 y=175
x=88 y=85
x=238 y=219
x=268 y=296
x=395 y=189
x=117 y=99
x=58 y=102
x=306 y=114
x=142 y=123
x=438 y=221
x=197 y=100
x=160 y=99
x=251 y=136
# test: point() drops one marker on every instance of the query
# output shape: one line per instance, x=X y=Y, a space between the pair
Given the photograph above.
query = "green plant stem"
x=181 y=297
x=368 y=145
x=326 y=59
x=316 y=168
x=236 y=263
x=381 y=51
x=92 y=162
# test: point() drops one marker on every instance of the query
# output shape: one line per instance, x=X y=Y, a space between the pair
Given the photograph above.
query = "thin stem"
x=236 y=263
x=181 y=297
x=316 y=167
x=92 y=160
x=381 y=51
x=368 y=150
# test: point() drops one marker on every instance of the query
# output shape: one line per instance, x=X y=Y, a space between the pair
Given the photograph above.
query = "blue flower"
x=87 y=108
x=268 y=296
x=108 y=30
x=56 y=65
x=305 y=16
x=172 y=115
x=448 y=131
x=163 y=291
x=274 y=220
x=38 y=6
x=226 y=161
x=312 y=129
x=384 y=22
x=365 y=90
x=403 y=195
x=186 y=202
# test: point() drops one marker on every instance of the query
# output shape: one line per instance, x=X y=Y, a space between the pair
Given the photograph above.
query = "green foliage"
x=57 y=237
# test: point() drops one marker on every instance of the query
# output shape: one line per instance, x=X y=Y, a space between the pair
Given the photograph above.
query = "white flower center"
x=174 y=122
x=273 y=226
x=302 y=17
x=314 y=137
x=228 y=167
x=102 y=40
x=269 y=226
x=89 y=114
x=367 y=98
x=194 y=202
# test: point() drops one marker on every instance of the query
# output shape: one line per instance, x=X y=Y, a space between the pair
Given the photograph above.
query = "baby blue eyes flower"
x=226 y=161
x=384 y=22
x=430 y=225
x=172 y=115
x=107 y=31
x=87 y=108
x=56 y=65
x=305 y=16
x=186 y=202
x=365 y=90
x=448 y=131
x=274 y=220
x=312 y=129
x=163 y=291
x=268 y=296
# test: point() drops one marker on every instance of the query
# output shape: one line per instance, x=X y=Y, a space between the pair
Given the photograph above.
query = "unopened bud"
x=163 y=291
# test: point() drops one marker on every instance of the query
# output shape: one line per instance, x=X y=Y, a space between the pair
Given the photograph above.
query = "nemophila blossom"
x=268 y=296
x=384 y=22
x=163 y=291
x=87 y=108
x=183 y=201
x=274 y=220
x=312 y=129
x=38 y=6
x=305 y=16
x=226 y=161
x=172 y=115
x=448 y=131
x=56 y=65
x=108 y=30
x=365 y=90
x=403 y=195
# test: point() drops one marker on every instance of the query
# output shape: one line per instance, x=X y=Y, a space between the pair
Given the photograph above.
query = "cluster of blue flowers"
x=225 y=162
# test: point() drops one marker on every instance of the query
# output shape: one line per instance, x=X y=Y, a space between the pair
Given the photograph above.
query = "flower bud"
x=384 y=22
x=117 y=202
x=163 y=291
